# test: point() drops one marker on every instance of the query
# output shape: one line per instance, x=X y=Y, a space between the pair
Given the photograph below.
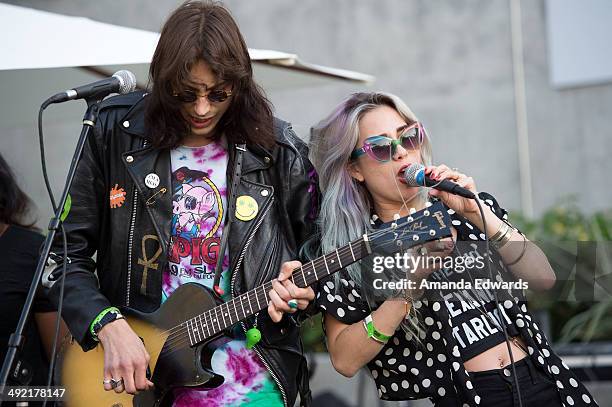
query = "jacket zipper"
x=242 y=324
x=131 y=239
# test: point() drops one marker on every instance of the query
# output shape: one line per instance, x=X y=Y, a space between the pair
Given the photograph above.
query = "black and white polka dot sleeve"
x=491 y=202
x=341 y=298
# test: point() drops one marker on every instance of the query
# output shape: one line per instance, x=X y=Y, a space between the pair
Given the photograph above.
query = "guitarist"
x=194 y=181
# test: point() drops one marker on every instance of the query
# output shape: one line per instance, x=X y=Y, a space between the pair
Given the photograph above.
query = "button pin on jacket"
x=117 y=196
x=152 y=180
x=246 y=208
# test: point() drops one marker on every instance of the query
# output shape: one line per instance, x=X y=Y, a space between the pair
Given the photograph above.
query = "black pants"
x=496 y=388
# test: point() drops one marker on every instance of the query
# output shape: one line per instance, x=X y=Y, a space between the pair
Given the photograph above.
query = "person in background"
x=20 y=244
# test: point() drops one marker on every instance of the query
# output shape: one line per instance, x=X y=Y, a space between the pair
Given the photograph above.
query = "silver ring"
x=116 y=383
x=107 y=381
x=293 y=304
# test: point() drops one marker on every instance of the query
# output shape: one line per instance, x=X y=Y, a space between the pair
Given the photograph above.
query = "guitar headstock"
x=431 y=223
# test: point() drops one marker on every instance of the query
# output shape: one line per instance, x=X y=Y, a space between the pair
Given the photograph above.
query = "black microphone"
x=415 y=176
x=121 y=82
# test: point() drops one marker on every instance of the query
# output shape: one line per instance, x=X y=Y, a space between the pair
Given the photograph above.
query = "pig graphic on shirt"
x=192 y=207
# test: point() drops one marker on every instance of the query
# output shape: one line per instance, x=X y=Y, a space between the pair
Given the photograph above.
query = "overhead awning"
x=35 y=39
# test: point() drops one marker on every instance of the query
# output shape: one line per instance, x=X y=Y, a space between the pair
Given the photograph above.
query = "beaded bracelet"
x=374 y=333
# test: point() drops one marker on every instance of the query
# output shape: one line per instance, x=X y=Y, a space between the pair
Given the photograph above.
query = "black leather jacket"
x=114 y=214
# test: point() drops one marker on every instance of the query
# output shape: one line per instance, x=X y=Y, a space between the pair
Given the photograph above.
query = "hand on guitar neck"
x=125 y=357
x=284 y=290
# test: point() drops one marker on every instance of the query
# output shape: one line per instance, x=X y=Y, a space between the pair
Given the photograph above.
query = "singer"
x=448 y=346
x=194 y=182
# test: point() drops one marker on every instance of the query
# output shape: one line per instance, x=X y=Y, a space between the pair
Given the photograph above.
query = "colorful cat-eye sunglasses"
x=382 y=148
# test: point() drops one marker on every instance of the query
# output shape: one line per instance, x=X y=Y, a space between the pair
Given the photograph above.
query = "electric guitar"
x=181 y=335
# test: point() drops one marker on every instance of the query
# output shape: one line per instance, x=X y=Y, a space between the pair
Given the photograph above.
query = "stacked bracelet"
x=374 y=333
x=502 y=236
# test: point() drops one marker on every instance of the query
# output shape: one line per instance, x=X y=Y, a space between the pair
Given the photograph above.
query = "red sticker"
x=117 y=196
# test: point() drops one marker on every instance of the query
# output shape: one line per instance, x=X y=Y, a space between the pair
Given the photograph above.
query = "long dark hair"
x=205 y=31
x=14 y=203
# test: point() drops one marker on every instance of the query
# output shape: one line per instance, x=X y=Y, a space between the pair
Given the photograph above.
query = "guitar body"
x=81 y=373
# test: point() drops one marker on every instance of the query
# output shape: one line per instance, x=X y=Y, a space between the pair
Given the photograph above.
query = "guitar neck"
x=223 y=316
x=431 y=223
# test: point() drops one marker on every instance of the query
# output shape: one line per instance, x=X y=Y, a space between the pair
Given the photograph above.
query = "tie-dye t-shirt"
x=199 y=203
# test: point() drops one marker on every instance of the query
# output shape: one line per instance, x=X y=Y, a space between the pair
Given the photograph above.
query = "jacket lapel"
x=157 y=200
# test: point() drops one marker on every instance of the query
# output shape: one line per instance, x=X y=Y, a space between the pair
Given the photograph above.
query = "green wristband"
x=374 y=333
x=99 y=318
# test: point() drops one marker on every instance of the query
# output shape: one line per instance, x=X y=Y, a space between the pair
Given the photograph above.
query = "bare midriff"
x=497 y=357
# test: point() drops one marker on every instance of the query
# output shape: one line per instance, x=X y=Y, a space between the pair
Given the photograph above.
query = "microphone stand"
x=14 y=369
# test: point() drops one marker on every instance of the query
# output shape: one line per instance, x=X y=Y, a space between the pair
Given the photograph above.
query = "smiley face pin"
x=246 y=208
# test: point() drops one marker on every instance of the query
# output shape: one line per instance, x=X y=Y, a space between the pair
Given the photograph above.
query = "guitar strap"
x=231 y=208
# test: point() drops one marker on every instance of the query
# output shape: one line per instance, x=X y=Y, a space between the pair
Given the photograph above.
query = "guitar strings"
x=345 y=250
x=178 y=337
x=184 y=340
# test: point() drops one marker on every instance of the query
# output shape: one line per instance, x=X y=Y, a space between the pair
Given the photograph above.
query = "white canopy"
x=34 y=39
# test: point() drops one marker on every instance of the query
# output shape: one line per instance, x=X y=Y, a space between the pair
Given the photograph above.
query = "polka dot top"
x=406 y=369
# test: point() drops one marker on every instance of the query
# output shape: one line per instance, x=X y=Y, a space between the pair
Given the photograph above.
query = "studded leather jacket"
x=126 y=224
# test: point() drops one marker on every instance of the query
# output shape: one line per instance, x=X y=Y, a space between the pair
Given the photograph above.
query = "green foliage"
x=560 y=232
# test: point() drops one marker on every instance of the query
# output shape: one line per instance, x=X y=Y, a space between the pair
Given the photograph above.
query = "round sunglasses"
x=382 y=148
x=214 y=96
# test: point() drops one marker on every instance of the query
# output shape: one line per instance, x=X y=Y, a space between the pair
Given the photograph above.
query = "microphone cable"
x=502 y=319
x=495 y=296
x=60 y=306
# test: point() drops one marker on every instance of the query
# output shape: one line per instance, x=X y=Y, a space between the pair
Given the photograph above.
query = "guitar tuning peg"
x=394 y=225
x=372 y=222
x=432 y=232
x=396 y=216
x=409 y=218
x=426 y=213
x=428 y=204
x=412 y=211
x=415 y=237
x=374 y=218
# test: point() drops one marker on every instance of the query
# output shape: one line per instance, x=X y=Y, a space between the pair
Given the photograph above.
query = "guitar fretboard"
x=431 y=223
x=221 y=317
